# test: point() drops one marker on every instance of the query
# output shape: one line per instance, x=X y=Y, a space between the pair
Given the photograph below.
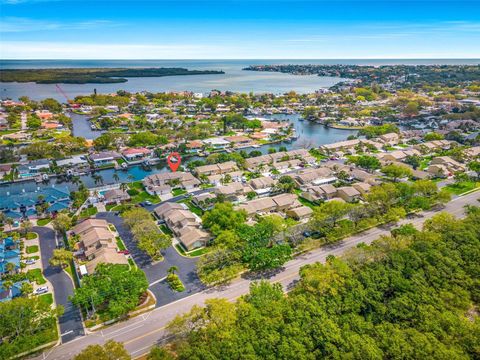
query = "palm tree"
x=124 y=186
x=116 y=178
x=172 y=269
x=98 y=179
x=7 y=285
x=10 y=267
x=76 y=180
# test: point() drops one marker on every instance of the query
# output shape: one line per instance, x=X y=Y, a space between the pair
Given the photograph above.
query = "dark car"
x=312 y=234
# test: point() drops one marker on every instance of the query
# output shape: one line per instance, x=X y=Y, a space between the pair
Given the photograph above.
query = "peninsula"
x=92 y=75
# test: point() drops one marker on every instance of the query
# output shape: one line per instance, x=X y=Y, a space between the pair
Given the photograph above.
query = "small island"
x=92 y=75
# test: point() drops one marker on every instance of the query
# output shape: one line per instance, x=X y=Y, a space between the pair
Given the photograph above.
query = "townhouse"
x=162 y=184
x=97 y=245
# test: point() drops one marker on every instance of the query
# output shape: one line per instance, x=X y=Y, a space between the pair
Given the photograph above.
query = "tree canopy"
x=405 y=297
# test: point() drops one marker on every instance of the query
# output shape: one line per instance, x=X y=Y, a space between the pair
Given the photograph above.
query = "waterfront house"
x=155 y=184
x=217 y=143
x=136 y=154
x=78 y=162
x=5 y=169
x=37 y=166
x=115 y=196
x=44 y=114
x=104 y=158
x=194 y=146
x=216 y=169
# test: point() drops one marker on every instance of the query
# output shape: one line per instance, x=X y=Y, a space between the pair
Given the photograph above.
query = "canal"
x=309 y=134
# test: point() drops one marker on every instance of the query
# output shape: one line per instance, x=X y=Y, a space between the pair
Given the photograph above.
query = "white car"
x=30 y=261
x=41 y=290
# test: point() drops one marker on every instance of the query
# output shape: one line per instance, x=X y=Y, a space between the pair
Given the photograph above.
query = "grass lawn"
x=132 y=263
x=462 y=187
x=31 y=249
x=110 y=206
x=46 y=298
x=193 y=253
x=89 y=211
x=120 y=244
x=194 y=209
x=144 y=196
x=165 y=229
x=36 y=275
x=175 y=283
x=307 y=202
x=177 y=192
x=206 y=186
x=70 y=269
x=136 y=185
x=43 y=222
x=31 y=236
x=35 y=257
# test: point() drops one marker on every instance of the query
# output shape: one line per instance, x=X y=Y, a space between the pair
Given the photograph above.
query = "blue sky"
x=234 y=29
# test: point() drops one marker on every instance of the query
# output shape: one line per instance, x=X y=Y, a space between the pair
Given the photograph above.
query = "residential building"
x=348 y=193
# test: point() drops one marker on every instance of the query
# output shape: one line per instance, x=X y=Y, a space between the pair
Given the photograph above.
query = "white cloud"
x=281 y=50
x=18 y=24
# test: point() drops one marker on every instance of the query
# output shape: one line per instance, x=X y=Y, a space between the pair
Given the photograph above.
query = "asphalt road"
x=140 y=333
x=70 y=322
x=155 y=271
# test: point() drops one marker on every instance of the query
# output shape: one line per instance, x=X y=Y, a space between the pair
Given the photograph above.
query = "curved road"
x=141 y=333
x=70 y=322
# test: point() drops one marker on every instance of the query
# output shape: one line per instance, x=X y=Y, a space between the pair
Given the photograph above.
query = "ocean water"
x=234 y=79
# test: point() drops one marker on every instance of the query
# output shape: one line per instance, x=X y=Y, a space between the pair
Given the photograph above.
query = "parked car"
x=124 y=252
x=313 y=234
x=30 y=261
x=41 y=290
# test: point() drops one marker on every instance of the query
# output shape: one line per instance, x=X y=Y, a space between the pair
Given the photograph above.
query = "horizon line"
x=202 y=59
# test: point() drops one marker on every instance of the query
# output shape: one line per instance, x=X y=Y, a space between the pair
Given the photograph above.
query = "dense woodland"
x=413 y=295
x=91 y=75
x=406 y=75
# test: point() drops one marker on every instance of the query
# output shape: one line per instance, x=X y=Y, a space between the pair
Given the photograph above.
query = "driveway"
x=157 y=271
x=70 y=322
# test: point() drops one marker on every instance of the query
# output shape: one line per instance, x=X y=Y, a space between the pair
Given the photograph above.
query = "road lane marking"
x=66 y=333
x=157 y=281
x=144 y=335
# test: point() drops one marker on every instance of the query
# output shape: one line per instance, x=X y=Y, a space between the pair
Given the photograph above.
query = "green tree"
x=113 y=289
x=61 y=257
x=395 y=172
x=223 y=217
x=62 y=223
x=111 y=350
x=160 y=353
